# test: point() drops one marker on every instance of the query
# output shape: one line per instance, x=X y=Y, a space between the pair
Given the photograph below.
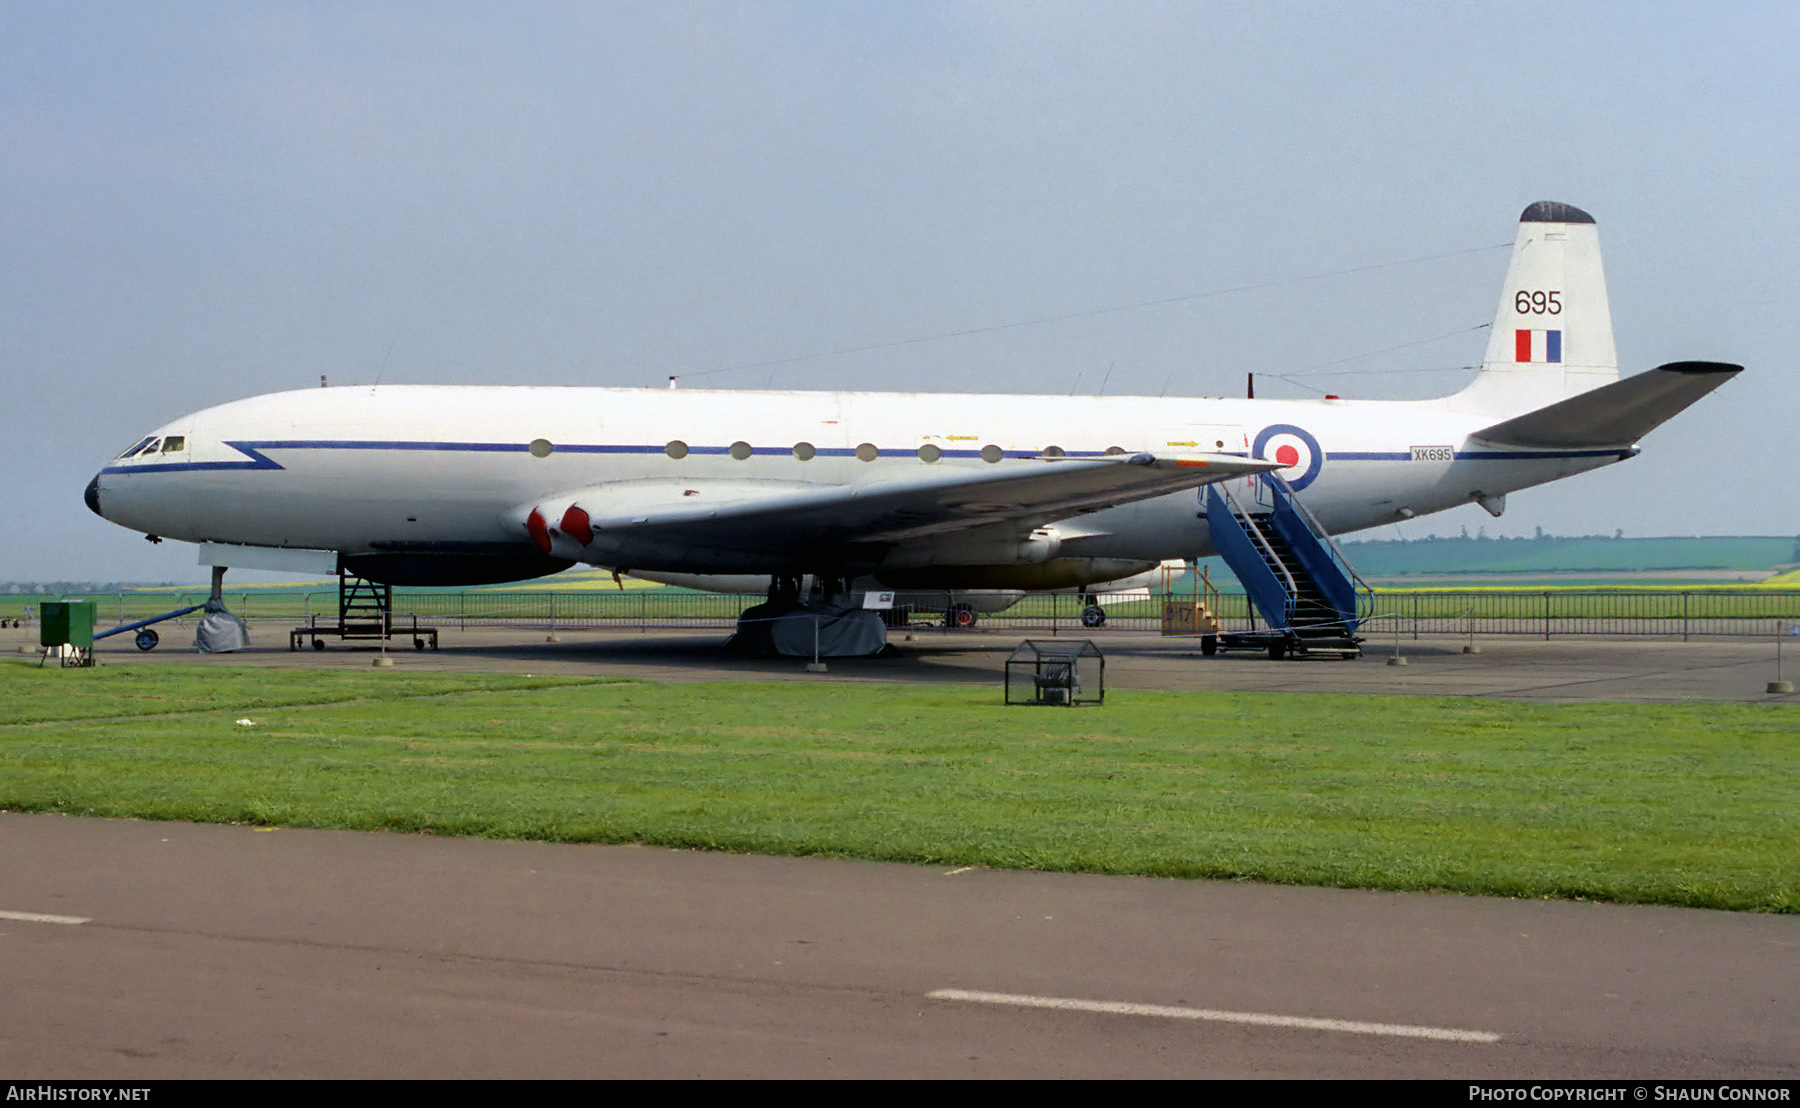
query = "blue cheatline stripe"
x=1526 y=455
x=255 y=459
x=378 y=444
x=1472 y=455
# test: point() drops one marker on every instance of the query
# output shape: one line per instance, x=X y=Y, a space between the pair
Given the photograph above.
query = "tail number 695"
x=1538 y=302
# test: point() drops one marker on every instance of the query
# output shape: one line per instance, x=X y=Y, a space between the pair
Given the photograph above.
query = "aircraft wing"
x=1612 y=415
x=779 y=517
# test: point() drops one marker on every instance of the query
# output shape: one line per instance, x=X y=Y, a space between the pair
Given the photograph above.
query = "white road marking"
x=39 y=917
x=1163 y=1011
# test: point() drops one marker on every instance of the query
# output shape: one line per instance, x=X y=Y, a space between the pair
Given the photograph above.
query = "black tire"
x=1209 y=645
x=147 y=639
x=1093 y=616
x=1278 y=650
x=318 y=644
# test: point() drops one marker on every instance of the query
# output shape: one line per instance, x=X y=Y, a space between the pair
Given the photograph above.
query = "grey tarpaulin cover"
x=220 y=632
x=785 y=628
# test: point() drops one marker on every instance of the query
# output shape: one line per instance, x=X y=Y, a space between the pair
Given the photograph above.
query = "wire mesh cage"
x=1058 y=672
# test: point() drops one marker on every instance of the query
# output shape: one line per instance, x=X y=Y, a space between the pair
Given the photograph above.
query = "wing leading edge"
x=641 y=522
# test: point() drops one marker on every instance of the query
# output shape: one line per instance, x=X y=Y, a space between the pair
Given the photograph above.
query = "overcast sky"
x=205 y=201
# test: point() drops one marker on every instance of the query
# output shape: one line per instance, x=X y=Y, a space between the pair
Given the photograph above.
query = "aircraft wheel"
x=959 y=616
x=1209 y=645
x=1277 y=650
x=1093 y=616
x=147 y=639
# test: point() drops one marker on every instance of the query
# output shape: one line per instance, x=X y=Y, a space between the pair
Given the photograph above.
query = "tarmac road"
x=216 y=951
x=1561 y=670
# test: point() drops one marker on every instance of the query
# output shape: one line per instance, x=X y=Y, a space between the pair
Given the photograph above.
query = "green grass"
x=1675 y=804
x=571 y=580
x=36 y=695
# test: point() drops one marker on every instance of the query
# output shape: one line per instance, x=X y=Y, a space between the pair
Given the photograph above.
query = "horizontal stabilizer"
x=1618 y=414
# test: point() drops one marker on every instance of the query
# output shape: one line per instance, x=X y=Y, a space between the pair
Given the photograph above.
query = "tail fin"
x=1552 y=336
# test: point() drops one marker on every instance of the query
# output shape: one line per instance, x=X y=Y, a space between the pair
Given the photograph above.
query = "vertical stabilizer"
x=1552 y=336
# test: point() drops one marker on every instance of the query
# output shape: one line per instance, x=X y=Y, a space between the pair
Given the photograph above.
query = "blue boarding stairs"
x=1310 y=600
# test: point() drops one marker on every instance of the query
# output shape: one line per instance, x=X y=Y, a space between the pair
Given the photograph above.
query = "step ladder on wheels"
x=365 y=611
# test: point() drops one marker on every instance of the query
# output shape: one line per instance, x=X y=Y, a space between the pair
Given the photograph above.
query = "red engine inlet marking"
x=539 y=531
x=576 y=524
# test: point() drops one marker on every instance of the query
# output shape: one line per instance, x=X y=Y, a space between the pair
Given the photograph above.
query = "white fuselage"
x=361 y=469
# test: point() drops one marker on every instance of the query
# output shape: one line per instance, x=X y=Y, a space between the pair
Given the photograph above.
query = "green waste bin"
x=66 y=622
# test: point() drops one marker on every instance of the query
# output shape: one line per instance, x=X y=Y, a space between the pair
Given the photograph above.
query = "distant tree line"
x=1541 y=535
x=63 y=588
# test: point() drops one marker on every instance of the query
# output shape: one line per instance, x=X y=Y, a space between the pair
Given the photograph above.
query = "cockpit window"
x=174 y=443
x=136 y=446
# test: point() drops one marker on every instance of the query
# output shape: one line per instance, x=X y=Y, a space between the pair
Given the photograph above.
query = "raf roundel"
x=1296 y=450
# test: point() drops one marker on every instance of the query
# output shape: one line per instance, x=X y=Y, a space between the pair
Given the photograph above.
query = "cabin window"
x=676 y=449
x=174 y=444
x=540 y=448
x=992 y=453
x=136 y=446
x=740 y=450
x=1053 y=452
x=867 y=452
x=929 y=453
x=805 y=451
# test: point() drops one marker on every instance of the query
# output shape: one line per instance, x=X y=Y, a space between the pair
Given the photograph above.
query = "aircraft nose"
x=92 y=496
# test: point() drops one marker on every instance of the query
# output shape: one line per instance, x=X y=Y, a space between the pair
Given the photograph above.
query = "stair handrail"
x=1364 y=590
x=1274 y=559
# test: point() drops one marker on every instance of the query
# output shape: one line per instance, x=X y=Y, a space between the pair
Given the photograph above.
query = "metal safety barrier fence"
x=1543 y=613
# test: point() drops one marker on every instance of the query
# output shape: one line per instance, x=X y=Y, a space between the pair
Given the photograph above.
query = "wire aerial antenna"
x=384 y=361
x=1135 y=306
x=1317 y=369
